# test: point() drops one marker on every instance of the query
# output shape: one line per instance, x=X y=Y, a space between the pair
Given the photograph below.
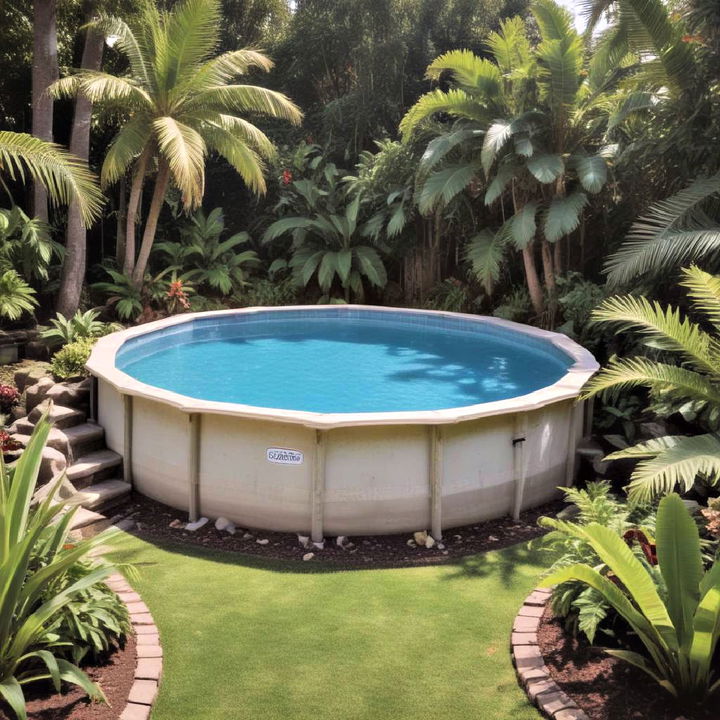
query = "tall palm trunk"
x=120 y=223
x=532 y=280
x=132 y=211
x=549 y=277
x=44 y=73
x=73 y=271
x=161 y=186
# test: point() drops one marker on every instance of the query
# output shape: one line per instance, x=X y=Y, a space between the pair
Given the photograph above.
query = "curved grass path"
x=246 y=639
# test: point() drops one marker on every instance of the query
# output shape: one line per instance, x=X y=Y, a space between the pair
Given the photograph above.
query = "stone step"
x=72 y=442
x=84 y=439
x=94 y=466
x=84 y=517
x=61 y=417
x=104 y=494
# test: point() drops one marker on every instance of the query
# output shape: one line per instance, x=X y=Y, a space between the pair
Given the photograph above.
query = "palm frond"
x=65 y=176
x=125 y=147
x=563 y=215
x=624 y=374
x=704 y=291
x=510 y=47
x=664 y=329
x=672 y=231
x=228 y=99
x=470 y=72
x=456 y=103
x=672 y=461
x=184 y=149
x=244 y=159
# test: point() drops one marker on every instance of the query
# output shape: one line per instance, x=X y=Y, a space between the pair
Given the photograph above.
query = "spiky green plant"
x=180 y=102
x=64 y=176
x=692 y=385
x=681 y=229
x=16 y=296
x=35 y=553
x=679 y=628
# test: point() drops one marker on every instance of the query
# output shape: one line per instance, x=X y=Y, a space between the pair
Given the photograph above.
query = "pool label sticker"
x=283 y=456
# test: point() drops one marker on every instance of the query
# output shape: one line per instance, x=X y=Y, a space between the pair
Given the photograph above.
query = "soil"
x=153 y=519
x=604 y=687
x=115 y=676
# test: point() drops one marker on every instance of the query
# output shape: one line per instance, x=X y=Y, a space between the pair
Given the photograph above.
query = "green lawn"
x=257 y=640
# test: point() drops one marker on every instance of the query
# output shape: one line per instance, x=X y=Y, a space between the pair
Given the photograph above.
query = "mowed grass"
x=259 y=640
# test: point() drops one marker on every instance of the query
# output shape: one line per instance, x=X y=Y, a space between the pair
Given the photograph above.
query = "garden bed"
x=153 y=520
x=115 y=676
x=605 y=687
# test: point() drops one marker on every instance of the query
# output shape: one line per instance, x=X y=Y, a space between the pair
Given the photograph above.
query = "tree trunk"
x=120 y=223
x=533 y=280
x=161 y=185
x=73 y=271
x=132 y=211
x=549 y=276
x=44 y=73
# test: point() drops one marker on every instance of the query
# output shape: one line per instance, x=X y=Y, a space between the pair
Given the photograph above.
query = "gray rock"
x=69 y=394
x=429 y=541
x=222 y=523
x=29 y=376
x=37 y=392
x=192 y=527
x=262 y=542
x=304 y=540
x=308 y=556
x=420 y=537
x=66 y=491
x=52 y=463
x=37 y=350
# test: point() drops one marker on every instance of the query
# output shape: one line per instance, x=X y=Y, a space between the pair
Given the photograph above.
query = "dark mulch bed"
x=605 y=687
x=153 y=523
x=115 y=677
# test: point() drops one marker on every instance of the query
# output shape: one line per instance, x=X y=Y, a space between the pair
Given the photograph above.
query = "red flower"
x=176 y=291
x=7 y=444
x=287 y=177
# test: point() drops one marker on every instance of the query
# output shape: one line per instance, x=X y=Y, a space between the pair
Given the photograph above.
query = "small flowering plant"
x=7 y=444
x=177 y=295
x=8 y=397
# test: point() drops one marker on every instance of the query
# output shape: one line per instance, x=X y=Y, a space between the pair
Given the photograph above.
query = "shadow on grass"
x=503 y=564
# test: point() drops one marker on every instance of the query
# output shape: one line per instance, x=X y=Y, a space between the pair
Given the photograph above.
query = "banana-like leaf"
x=546 y=168
x=523 y=225
x=563 y=216
x=680 y=561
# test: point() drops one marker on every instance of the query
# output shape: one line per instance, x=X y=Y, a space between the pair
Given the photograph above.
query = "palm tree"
x=691 y=386
x=179 y=103
x=540 y=158
x=65 y=177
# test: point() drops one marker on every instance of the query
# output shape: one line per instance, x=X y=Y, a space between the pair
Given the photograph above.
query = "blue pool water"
x=334 y=361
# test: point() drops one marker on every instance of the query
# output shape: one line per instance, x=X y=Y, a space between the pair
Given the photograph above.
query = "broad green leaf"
x=592 y=172
x=523 y=226
x=441 y=187
x=546 y=168
x=563 y=216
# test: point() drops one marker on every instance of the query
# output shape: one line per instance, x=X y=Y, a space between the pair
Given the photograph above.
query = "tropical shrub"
x=583 y=608
x=93 y=623
x=35 y=554
x=689 y=387
x=16 y=296
x=26 y=244
x=70 y=360
x=80 y=325
x=267 y=293
x=678 y=623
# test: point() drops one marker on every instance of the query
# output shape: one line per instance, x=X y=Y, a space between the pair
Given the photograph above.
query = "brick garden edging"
x=532 y=672
x=149 y=652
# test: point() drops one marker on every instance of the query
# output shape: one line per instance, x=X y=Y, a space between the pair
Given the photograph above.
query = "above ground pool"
x=342 y=419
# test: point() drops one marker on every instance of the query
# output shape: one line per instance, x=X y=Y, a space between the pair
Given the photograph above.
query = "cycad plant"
x=64 y=176
x=16 y=296
x=678 y=626
x=691 y=385
x=531 y=123
x=35 y=554
x=180 y=102
x=681 y=229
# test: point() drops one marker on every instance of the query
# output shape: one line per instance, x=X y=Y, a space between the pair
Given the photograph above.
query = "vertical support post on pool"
x=127 y=438
x=519 y=468
x=575 y=416
x=194 y=467
x=318 y=487
x=436 y=481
